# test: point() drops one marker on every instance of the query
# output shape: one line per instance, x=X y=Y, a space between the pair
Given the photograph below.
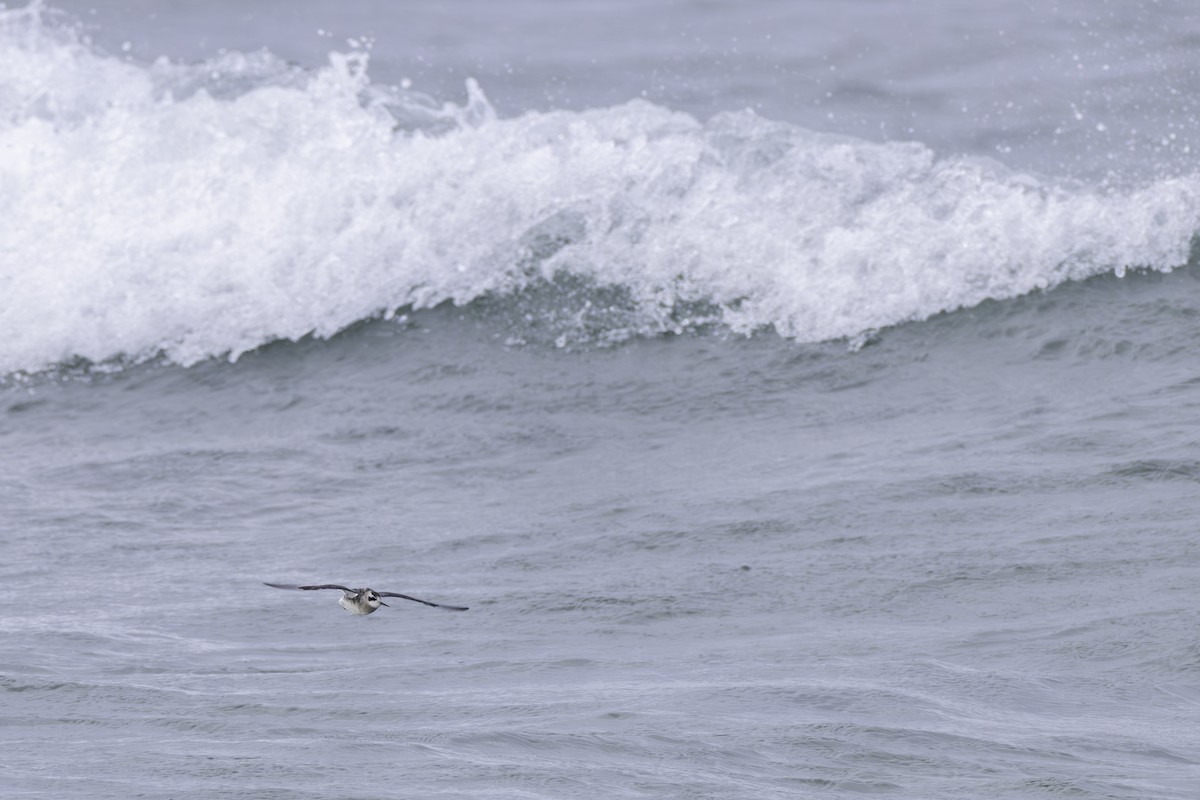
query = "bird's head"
x=371 y=597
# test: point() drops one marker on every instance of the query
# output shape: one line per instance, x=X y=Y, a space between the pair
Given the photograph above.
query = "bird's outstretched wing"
x=419 y=600
x=306 y=588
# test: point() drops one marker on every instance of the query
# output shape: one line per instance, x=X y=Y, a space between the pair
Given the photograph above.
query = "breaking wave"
x=200 y=210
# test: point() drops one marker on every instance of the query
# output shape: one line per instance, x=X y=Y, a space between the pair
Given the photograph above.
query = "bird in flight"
x=363 y=601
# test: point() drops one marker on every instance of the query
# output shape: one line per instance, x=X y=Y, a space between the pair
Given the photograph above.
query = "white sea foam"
x=203 y=210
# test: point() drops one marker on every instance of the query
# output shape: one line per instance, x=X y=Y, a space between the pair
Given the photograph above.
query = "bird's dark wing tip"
x=306 y=588
x=422 y=602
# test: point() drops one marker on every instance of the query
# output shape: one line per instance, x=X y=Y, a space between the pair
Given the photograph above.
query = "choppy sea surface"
x=803 y=397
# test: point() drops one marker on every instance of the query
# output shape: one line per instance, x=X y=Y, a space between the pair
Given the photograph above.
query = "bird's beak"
x=383 y=604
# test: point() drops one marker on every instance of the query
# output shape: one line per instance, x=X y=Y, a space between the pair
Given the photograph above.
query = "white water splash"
x=203 y=210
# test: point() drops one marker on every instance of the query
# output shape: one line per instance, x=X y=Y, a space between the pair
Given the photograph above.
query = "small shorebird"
x=363 y=601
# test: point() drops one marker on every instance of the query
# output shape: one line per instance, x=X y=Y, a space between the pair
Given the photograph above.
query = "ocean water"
x=802 y=396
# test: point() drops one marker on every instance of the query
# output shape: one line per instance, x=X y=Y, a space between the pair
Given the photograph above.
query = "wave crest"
x=202 y=210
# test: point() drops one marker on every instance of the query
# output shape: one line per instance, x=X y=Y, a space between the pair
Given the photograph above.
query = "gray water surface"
x=956 y=563
x=953 y=558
